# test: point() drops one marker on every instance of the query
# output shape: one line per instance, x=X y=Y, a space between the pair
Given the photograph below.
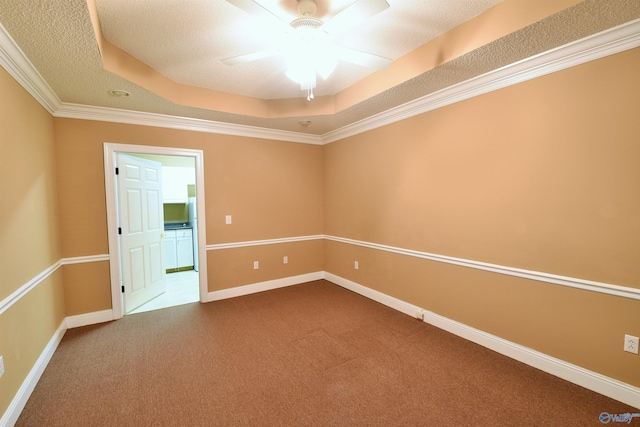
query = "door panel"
x=142 y=222
x=154 y=202
x=155 y=256
x=136 y=272
x=134 y=211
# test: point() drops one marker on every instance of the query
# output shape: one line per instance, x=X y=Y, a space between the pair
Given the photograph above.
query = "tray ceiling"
x=184 y=42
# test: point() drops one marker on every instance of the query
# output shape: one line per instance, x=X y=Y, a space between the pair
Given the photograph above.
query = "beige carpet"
x=307 y=355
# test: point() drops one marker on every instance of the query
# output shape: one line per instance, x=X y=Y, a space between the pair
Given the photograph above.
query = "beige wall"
x=272 y=190
x=29 y=238
x=541 y=176
x=234 y=267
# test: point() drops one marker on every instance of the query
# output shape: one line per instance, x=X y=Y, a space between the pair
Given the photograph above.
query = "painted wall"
x=29 y=237
x=272 y=190
x=541 y=176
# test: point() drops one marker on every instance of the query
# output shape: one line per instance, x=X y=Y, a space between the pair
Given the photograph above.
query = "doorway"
x=185 y=282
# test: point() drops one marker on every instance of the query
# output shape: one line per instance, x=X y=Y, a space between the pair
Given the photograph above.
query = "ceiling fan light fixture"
x=307 y=53
x=326 y=66
x=303 y=75
x=307 y=7
x=307 y=47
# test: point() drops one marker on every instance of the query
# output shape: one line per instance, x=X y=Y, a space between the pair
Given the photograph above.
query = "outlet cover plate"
x=631 y=344
x=1 y=366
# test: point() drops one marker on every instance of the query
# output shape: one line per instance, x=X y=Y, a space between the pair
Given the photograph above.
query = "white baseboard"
x=594 y=381
x=389 y=301
x=89 y=318
x=264 y=286
x=24 y=392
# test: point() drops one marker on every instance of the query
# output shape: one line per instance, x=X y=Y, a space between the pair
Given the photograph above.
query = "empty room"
x=319 y=212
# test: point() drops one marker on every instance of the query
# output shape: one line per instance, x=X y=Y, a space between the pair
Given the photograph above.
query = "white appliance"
x=193 y=220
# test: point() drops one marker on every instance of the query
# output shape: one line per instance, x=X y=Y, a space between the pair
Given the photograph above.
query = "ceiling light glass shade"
x=302 y=74
x=307 y=54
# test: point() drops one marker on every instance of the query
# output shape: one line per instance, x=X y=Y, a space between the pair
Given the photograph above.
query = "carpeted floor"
x=307 y=355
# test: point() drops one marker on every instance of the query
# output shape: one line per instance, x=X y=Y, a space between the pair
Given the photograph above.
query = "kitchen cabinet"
x=178 y=249
x=184 y=248
x=175 y=182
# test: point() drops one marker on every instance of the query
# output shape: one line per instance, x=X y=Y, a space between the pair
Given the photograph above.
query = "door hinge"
x=119 y=230
x=117 y=171
x=123 y=289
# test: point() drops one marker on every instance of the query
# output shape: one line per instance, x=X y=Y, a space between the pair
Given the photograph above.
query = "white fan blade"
x=255 y=9
x=361 y=58
x=354 y=15
x=250 y=57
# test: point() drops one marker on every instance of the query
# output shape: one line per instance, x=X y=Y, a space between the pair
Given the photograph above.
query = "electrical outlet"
x=227 y=219
x=631 y=344
x=285 y=260
x=1 y=366
x=256 y=265
x=355 y=265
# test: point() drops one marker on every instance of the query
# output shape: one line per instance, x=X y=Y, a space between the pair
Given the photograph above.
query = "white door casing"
x=110 y=151
x=141 y=220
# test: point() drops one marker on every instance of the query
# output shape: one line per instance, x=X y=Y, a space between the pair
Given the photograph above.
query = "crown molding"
x=115 y=115
x=608 y=42
x=596 y=46
x=13 y=59
x=25 y=73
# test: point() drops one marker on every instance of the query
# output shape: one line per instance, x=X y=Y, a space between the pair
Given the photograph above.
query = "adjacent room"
x=319 y=212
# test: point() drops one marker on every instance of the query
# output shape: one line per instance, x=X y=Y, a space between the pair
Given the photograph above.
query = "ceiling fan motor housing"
x=311 y=23
x=307 y=7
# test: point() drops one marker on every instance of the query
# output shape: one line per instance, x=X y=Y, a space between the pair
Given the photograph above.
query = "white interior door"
x=141 y=220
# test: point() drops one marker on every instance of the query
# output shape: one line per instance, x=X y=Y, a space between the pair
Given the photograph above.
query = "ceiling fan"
x=307 y=46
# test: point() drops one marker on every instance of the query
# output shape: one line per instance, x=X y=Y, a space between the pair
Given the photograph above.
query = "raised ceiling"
x=188 y=43
x=167 y=53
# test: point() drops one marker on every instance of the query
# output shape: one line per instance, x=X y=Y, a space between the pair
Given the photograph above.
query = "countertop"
x=177 y=226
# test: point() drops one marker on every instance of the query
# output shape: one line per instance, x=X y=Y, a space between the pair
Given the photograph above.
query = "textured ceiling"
x=58 y=38
x=187 y=44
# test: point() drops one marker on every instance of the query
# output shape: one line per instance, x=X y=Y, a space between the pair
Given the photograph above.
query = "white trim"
x=89 y=318
x=596 y=46
x=389 y=301
x=18 y=65
x=232 y=245
x=29 y=384
x=594 y=381
x=588 y=285
x=114 y=115
x=110 y=150
x=84 y=259
x=264 y=286
x=6 y=303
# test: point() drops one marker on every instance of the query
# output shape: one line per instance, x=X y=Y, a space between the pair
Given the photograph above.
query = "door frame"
x=110 y=150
